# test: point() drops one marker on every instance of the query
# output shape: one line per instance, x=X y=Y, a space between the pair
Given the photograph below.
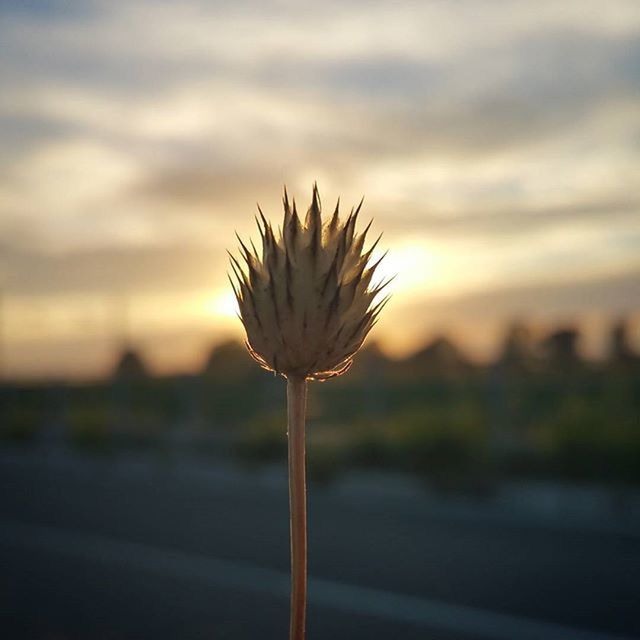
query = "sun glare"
x=223 y=305
x=411 y=266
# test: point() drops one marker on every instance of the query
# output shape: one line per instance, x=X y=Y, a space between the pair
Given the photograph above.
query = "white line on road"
x=324 y=593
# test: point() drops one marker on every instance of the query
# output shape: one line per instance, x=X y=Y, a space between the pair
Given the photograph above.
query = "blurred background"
x=476 y=474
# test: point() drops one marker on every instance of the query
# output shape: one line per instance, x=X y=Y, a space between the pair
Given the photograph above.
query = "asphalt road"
x=99 y=549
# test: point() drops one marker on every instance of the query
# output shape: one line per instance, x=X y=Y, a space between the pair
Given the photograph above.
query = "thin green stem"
x=296 y=407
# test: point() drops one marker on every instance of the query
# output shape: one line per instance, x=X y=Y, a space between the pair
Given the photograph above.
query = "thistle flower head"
x=306 y=299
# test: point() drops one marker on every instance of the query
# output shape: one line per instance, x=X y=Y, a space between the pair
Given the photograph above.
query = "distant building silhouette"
x=130 y=366
x=560 y=350
x=621 y=353
x=369 y=361
x=517 y=351
x=439 y=358
x=228 y=360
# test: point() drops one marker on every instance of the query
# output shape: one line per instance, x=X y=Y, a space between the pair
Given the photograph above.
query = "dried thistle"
x=307 y=305
x=306 y=302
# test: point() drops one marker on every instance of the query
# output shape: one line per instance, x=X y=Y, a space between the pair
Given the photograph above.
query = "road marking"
x=324 y=593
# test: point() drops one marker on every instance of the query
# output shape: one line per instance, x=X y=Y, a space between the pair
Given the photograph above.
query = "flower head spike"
x=307 y=301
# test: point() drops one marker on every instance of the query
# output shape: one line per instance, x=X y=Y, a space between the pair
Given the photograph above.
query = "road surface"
x=94 y=548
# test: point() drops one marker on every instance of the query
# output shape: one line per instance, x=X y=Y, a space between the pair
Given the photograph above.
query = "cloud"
x=524 y=73
x=523 y=220
x=617 y=294
x=117 y=270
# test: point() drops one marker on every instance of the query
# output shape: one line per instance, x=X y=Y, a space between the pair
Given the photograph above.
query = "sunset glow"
x=138 y=137
x=223 y=307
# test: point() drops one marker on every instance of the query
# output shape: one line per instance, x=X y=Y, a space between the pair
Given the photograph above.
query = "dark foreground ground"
x=151 y=548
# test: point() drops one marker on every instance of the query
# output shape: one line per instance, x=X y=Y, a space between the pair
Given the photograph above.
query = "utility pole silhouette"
x=118 y=321
x=3 y=373
x=2 y=336
x=121 y=320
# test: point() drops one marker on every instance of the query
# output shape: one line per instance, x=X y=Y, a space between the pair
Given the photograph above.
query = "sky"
x=497 y=144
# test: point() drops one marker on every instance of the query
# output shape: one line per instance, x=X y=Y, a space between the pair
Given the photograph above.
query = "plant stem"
x=296 y=407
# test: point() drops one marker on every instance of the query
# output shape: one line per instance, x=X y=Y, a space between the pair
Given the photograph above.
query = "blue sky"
x=497 y=144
